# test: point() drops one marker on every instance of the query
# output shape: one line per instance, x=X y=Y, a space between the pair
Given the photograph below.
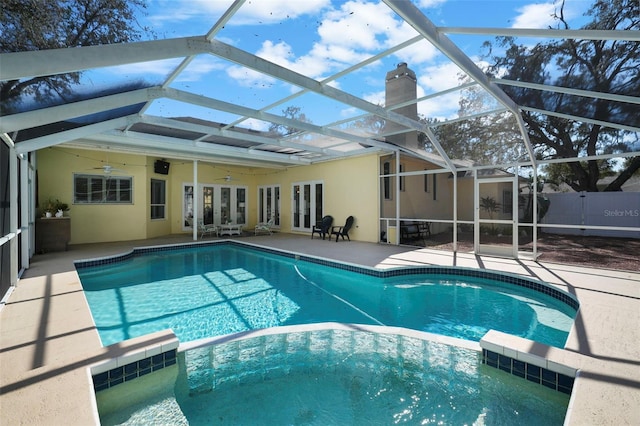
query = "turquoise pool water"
x=335 y=377
x=220 y=289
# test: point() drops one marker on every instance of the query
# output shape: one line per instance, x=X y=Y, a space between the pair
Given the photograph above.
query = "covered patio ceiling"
x=169 y=117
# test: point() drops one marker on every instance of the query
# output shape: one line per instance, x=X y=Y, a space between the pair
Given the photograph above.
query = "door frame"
x=216 y=205
x=489 y=249
x=313 y=210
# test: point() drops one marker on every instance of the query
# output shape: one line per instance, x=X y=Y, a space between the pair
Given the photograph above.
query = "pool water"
x=216 y=290
x=332 y=377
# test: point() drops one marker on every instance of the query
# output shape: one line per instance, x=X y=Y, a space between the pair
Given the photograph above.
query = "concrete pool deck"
x=47 y=336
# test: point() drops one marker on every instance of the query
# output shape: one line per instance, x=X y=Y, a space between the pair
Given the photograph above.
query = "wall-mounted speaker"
x=161 y=167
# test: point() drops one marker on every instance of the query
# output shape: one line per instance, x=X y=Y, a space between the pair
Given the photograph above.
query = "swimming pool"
x=322 y=376
x=215 y=289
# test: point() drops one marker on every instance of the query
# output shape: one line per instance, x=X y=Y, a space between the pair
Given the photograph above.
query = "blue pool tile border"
x=539 y=286
x=503 y=277
x=133 y=370
x=533 y=373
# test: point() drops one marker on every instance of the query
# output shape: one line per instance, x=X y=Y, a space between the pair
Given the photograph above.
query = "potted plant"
x=54 y=207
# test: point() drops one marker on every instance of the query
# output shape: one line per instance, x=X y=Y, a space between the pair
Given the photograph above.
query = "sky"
x=319 y=38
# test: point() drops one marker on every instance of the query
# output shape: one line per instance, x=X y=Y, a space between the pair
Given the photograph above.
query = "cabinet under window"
x=102 y=189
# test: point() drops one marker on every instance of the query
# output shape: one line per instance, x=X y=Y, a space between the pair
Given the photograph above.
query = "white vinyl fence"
x=617 y=209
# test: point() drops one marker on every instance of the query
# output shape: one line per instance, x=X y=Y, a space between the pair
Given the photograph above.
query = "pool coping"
x=556 y=368
x=48 y=303
x=129 y=366
x=133 y=352
x=504 y=277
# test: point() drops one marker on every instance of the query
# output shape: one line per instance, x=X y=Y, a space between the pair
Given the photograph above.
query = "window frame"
x=105 y=182
x=507 y=201
x=386 y=170
x=427 y=188
x=154 y=204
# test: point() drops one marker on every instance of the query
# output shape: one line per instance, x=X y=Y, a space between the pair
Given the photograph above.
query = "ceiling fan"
x=107 y=169
x=226 y=178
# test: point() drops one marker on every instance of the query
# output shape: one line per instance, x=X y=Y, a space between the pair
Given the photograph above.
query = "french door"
x=269 y=204
x=307 y=204
x=217 y=204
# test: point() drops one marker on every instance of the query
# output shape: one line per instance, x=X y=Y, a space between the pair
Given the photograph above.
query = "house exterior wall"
x=94 y=222
x=350 y=188
x=157 y=227
x=415 y=202
x=418 y=203
x=465 y=198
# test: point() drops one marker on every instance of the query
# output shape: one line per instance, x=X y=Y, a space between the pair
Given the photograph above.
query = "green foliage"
x=606 y=66
x=28 y=25
x=52 y=205
x=291 y=113
x=489 y=205
x=559 y=173
x=371 y=124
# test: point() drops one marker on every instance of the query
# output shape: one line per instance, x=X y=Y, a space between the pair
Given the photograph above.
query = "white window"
x=158 y=198
x=386 y=169
x=102 y=189
x=507 y=201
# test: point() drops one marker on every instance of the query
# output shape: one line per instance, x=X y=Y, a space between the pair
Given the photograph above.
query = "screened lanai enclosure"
x=489 y=131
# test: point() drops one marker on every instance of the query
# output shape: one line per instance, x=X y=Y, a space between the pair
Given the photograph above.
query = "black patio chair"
x=322 y=228
x=343 y=231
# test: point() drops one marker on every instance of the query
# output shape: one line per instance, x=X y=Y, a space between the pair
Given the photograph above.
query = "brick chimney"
x=400 y=87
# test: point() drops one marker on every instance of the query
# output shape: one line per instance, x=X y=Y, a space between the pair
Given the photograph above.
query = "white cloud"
x=434 y=79
x=254 y=124
x=272 y=11
x=200 y=67
x=539 y=15
x=376 y=98
x=253 y=12
x=357 y=25
x=347 y=36
x=418 y=53
x=438 y=77
x=443 y=107
x=246 y=77
x=172 y=12
x=430 y=3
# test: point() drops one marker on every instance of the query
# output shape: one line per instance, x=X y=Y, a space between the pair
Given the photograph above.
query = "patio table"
x=230 y=229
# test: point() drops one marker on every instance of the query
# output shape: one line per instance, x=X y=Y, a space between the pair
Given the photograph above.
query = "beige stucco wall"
x=94 y=222
x=350 y=188
x=415 y=202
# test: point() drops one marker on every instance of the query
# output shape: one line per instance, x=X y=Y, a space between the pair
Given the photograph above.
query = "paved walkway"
x=47 y=337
